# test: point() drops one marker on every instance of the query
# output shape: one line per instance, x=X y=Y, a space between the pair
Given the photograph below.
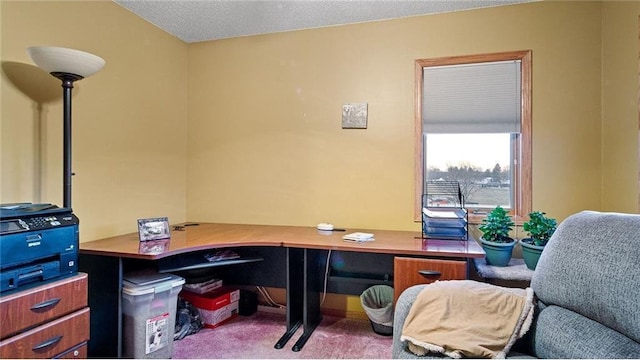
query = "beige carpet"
x=253 y=337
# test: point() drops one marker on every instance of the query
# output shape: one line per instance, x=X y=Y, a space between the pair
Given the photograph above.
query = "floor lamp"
x=68 y=65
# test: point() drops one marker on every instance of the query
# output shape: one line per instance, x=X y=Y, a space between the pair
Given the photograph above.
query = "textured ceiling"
x=202 y=20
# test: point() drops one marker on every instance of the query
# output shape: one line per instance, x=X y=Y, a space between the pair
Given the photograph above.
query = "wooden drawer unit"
x=46 y=321
x=413 y=271
x=50 y=339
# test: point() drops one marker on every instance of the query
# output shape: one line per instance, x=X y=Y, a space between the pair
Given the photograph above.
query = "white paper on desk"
x=440 y=214
x=358 y=236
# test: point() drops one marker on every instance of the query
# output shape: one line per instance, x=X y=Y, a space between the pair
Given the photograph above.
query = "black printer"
x=38 y=242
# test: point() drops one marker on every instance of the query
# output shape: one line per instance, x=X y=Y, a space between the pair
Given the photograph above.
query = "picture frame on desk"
x=154 y=229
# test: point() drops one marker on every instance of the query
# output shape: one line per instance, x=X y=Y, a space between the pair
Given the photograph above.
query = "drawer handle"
x=45 y=304
x=429 y=273
x=42 y=345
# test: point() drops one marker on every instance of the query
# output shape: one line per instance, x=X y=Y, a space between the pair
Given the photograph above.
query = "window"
x=473 y=126
x=480 y=164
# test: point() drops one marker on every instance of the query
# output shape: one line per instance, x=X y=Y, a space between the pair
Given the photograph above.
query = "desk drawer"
x=50 y=339
x=36 y=306
x=78 y=352
x=406 y=272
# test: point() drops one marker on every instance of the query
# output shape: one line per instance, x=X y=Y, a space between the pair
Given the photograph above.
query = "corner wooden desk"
x=103 y=261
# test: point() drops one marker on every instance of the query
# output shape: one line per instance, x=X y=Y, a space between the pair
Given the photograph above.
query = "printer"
x=38 y=242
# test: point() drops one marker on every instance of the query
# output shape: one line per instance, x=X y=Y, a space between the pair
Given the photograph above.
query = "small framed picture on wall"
x=154 y=229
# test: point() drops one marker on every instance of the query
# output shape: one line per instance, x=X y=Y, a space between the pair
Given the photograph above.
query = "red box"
x=216 y=307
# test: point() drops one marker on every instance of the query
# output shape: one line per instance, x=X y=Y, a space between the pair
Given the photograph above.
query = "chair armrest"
x=403 y=305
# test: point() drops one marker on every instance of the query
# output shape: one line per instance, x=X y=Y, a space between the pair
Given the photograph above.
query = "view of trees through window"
x=480 y=163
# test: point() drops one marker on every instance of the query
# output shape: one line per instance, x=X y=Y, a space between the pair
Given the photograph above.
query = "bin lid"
x=149 y=283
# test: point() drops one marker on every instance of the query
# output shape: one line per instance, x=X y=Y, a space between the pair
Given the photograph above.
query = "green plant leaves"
x=497 y=225
x=540 y=228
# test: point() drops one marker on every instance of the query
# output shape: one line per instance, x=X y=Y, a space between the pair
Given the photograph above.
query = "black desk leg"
x=311 y=294
x=295 y=301
x=105 y=281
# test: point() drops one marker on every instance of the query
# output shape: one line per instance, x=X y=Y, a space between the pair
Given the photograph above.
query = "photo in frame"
x=154 y=229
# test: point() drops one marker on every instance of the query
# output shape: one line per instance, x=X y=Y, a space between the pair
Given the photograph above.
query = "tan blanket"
x=467 y=318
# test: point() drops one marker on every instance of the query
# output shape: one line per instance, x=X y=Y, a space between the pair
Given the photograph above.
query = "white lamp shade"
x=57 y=59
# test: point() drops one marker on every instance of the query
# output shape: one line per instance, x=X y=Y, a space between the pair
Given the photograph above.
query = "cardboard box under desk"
x=215 y=307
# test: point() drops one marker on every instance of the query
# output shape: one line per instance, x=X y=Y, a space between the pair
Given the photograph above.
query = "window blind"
x=472 y=98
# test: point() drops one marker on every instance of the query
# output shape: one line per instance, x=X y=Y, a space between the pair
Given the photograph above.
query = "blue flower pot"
x=497 y=254
x=530 y=253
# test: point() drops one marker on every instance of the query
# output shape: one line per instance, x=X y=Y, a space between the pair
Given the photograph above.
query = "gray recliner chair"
x=587 y=285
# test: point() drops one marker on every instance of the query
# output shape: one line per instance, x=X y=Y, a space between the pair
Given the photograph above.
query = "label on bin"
x=157 y=335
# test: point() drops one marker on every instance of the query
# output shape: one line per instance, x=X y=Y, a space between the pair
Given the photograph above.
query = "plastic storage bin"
x=149 y=304
x=216 y=307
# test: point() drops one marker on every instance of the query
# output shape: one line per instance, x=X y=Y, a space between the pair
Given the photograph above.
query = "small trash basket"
x=377 y=302
x=149 y=305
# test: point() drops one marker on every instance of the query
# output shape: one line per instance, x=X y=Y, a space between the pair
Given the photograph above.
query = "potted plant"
x=495 y=239
x=540 y=228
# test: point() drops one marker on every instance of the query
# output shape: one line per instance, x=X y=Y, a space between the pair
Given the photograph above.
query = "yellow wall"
x=129 y=119
x=620 y=106
x=248 y=130
x=265 y=143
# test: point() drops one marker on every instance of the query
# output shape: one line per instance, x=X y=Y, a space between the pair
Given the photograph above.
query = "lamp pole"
x=67 y=173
